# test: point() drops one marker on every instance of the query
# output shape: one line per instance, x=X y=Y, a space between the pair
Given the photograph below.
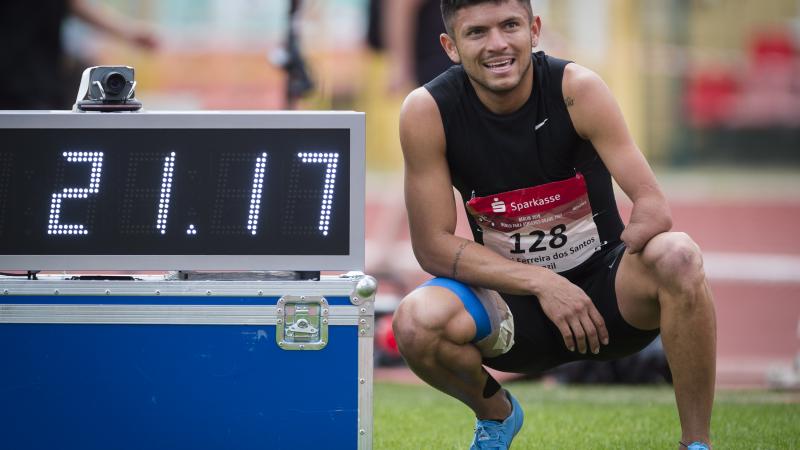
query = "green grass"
x=607 y=417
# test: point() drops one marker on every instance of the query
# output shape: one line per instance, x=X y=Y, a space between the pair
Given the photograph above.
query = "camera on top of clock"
x=107 y=89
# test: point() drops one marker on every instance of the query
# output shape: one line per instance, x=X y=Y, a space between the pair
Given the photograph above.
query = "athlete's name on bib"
x=551 y=261
x=520 y=206
x=533 y=260
x=582 y=245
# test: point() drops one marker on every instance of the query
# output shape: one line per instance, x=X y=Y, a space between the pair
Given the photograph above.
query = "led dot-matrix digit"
x=54 y=225
x=330 y=160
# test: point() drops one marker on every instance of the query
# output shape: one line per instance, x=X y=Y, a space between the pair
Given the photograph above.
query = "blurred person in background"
x=531 y=142
x=409 y=26
x=34 y=70
x=399 y=33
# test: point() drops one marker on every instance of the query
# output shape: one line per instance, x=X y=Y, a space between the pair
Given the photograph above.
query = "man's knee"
x=675 y=260
x=424 y=317
x=406 y=319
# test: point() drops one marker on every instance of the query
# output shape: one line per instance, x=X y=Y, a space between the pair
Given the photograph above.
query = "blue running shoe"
x=494 y=435
x=697 y=445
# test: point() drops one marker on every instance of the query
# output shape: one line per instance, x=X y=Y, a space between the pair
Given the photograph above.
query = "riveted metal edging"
x=363 y=296
x=158 y=314
x=53 y=286
x=365 y=392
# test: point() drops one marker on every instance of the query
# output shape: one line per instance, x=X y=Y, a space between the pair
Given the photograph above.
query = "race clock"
x=189 y=191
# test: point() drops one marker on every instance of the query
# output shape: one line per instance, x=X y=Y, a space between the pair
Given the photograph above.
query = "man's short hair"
x=450 y=7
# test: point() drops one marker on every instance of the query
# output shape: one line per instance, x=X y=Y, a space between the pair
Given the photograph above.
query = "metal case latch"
x=302 y=322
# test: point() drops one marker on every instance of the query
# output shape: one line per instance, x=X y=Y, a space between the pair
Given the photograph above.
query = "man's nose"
x=497 y=40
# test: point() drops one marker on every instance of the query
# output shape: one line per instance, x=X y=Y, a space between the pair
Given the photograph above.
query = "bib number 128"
x=558 y=240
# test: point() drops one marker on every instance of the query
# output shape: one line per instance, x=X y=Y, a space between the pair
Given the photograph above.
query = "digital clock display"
x=189 y=192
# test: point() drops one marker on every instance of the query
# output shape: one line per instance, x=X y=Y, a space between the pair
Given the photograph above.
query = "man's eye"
x=512 y=25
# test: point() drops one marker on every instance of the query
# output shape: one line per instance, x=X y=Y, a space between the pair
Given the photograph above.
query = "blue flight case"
x=160 y=363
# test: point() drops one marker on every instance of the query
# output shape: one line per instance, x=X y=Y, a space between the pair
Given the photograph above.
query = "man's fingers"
x=600 y=324
x=566 y=333
x=591 y=334
x=579 y=333
x=632 y=245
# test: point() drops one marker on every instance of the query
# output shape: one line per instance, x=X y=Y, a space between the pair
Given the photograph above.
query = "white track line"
x=762 y=267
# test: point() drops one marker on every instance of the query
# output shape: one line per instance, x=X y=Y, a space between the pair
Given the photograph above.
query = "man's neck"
x=506 y=102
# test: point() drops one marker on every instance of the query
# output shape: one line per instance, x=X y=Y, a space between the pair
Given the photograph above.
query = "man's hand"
x=571 y=310
x=636 y=235
x=650 y=216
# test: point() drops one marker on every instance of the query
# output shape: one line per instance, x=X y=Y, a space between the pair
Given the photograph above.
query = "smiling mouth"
x=499 y=65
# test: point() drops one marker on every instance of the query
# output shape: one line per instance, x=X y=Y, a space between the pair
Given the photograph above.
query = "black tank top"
x=489 y=153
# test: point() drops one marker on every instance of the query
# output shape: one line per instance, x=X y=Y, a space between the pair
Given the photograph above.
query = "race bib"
x=549 y=225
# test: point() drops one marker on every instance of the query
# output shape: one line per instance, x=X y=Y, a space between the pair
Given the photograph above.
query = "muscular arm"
x=597 y=117
x=432 y=220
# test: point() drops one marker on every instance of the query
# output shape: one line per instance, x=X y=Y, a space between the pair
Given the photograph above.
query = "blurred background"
x=710 y=90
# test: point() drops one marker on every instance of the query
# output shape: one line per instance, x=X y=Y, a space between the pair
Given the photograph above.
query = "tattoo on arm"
x=569 y=101
x=458 y=256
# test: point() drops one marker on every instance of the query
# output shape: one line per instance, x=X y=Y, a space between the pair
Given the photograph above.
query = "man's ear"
x=449 y=46
x=536 y=30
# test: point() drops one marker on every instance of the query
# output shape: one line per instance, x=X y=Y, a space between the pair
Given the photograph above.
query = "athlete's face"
x=493 y=42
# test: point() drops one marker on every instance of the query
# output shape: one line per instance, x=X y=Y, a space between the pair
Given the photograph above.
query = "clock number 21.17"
x=55 y=227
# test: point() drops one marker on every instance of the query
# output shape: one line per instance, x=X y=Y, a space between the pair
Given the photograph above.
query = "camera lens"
x=114 y=83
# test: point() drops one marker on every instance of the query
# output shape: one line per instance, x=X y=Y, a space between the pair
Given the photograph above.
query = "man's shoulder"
x=580 y=76
x=418 y=103
x=570 y=69
x=421 y=130
x=420 y=116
